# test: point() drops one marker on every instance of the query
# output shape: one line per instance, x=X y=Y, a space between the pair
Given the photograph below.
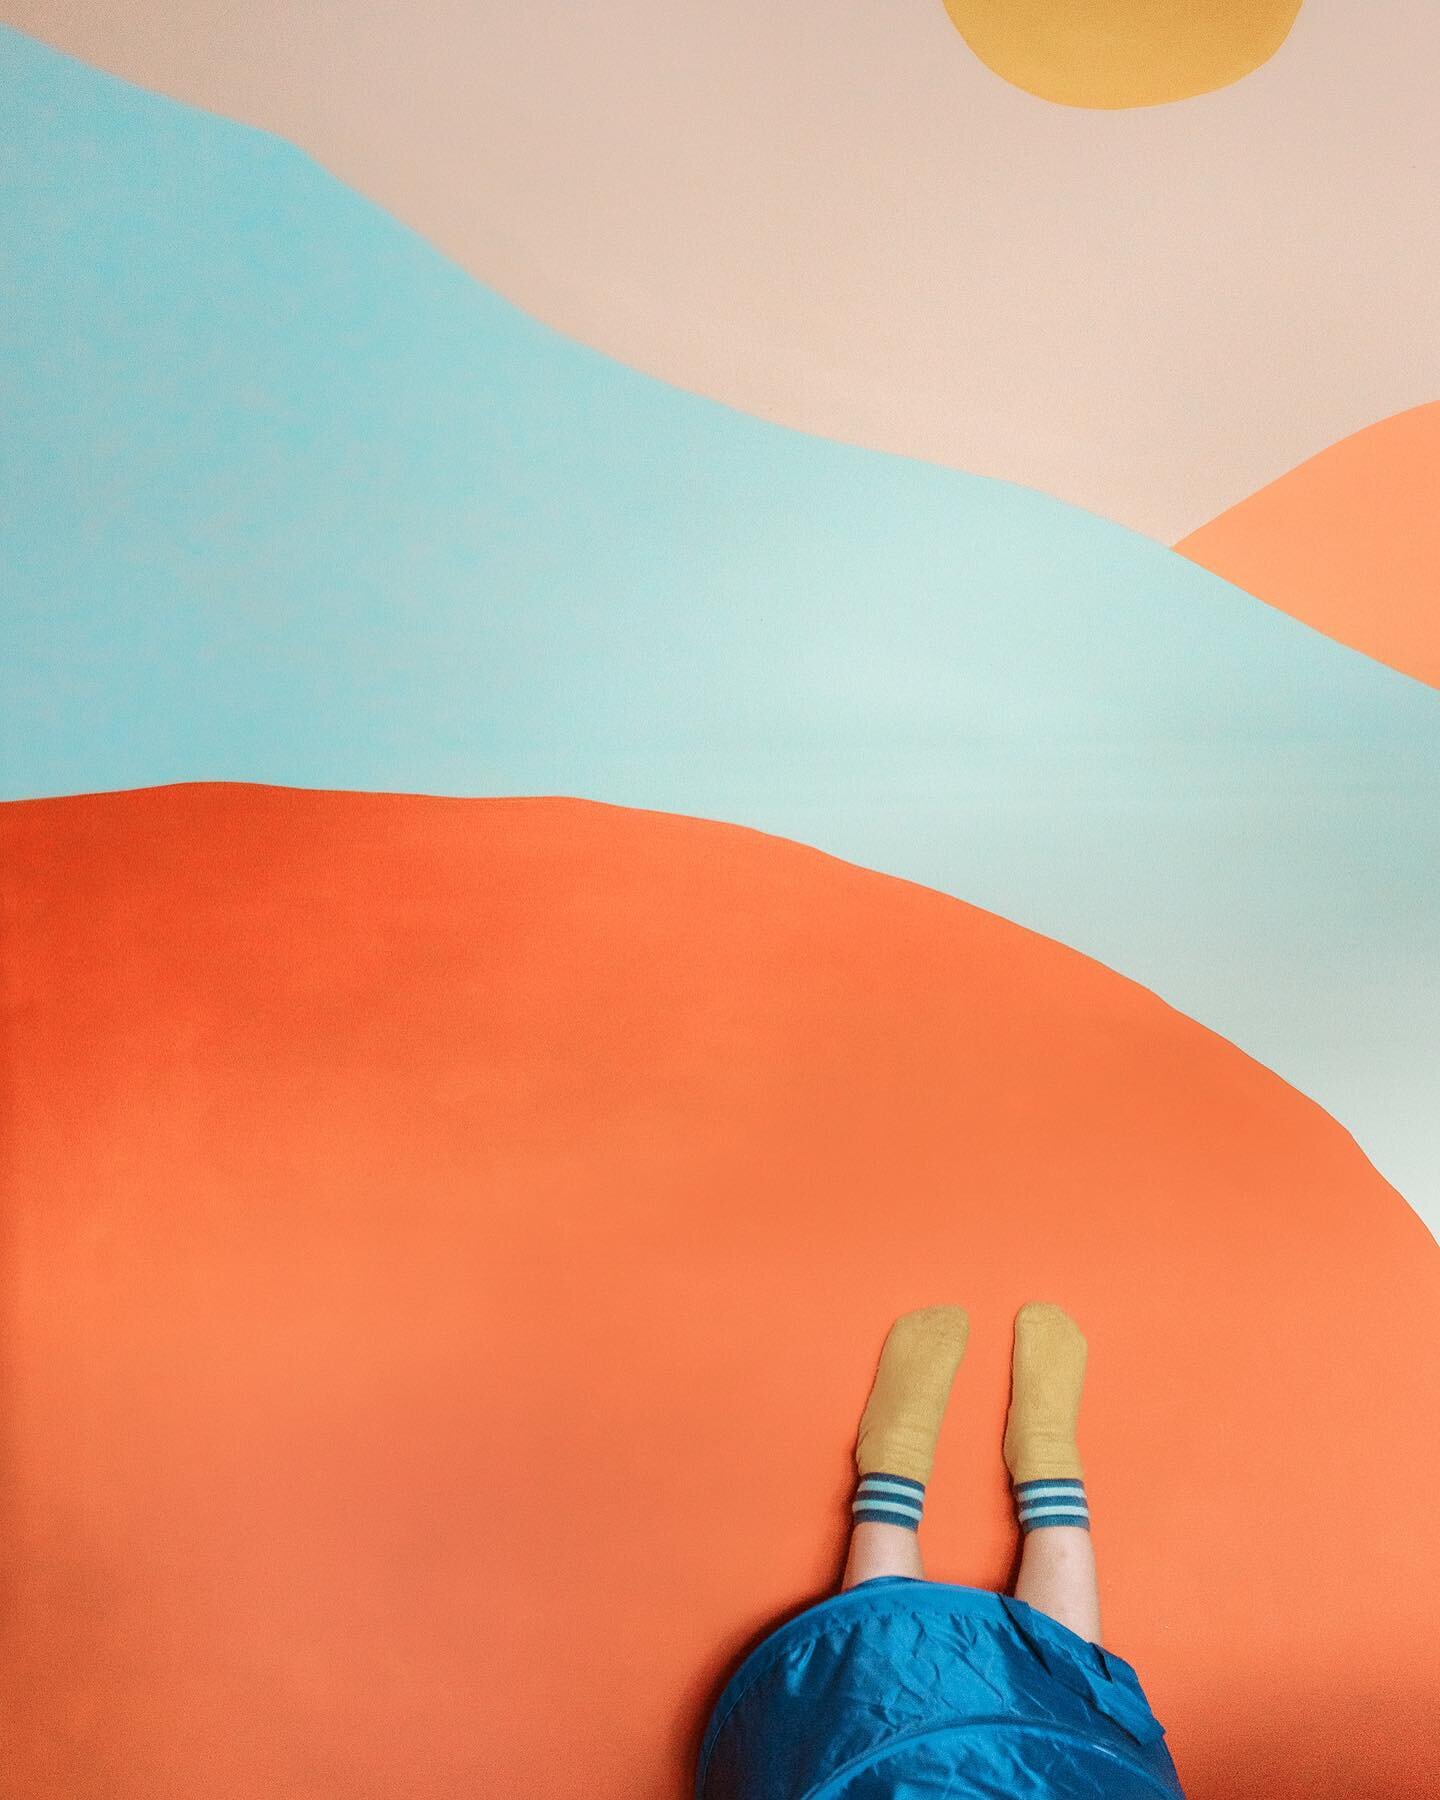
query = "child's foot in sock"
x=895 y=1448
x=1040 y=1450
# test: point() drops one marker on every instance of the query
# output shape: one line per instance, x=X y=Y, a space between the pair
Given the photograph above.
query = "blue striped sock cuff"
x=889 y=1500
x=1051 y=1503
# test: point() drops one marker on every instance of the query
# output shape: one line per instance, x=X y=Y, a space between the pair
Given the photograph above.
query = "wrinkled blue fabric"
x=910 y=1690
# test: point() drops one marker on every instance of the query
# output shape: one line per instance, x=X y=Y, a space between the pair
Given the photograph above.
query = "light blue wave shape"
x=288 y=498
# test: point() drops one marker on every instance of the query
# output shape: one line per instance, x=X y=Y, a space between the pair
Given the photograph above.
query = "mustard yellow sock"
x=895 y=1448
x=1048 y=1374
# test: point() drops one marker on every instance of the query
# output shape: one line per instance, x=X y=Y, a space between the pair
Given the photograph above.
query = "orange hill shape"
x=1349 y=542
x=450 y=1240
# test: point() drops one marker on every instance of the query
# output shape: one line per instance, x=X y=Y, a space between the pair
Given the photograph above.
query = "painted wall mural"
x=672 y=679
x=1118 y=53
x=1349 y=542
x=855 y=228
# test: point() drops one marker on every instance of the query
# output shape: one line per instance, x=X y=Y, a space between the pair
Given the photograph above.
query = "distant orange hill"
x=446 y=1248
x=1349 y=542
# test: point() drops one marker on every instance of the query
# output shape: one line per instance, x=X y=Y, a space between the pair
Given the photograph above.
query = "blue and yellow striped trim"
x=889 y=1500
x=1058 y=1502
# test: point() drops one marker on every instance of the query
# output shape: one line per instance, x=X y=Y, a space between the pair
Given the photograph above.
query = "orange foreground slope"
x=448 y=1243
x=1349 y=542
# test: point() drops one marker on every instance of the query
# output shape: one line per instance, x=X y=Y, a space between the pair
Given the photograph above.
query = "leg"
x=896 y=1444
x=877 y=1549
x=1057 y=1576
x=1057 y=1561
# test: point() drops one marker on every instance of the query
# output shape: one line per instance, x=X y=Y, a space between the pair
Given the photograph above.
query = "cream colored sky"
x=838 y=218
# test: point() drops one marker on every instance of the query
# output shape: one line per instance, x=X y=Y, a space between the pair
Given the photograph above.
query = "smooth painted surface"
x=448 y=1247
x=1120 y=53
x=289 y=499
x=1349 y=542
x=837 y=218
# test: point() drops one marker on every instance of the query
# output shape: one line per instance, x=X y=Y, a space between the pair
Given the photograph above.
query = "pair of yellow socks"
x=895 y=1450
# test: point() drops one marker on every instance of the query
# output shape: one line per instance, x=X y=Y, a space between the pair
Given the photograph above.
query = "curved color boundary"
x=351 y=521
x=446 y=1250
x=1123 y=53
x=1349 y=542
x=838 y=219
